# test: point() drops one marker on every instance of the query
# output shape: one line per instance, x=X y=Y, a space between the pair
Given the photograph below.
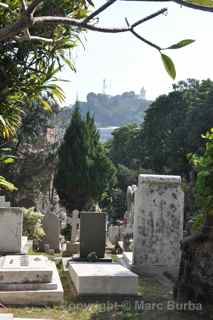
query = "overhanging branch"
x=180 y=2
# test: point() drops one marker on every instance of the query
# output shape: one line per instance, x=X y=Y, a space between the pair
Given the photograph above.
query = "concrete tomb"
x=100 y=277
x=103 y=279
x=29 y=280
x=158 y=224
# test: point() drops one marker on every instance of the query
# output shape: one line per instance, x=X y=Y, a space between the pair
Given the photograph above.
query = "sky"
x=127 y=64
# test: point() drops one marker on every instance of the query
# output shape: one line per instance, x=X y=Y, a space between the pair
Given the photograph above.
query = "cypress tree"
x=84 y=172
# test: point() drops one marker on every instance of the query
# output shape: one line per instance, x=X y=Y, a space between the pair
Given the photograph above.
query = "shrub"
x=32 y=224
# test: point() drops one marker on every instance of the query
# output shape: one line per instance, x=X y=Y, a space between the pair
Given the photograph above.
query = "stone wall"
x=158 y=224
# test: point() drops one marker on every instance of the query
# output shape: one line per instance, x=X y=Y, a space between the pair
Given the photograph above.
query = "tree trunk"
x=195 y=282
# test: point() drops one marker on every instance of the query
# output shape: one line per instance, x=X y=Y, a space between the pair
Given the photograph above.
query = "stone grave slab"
x=25 y=269
x=50 y=295
x=103 y=279
x=11 y=221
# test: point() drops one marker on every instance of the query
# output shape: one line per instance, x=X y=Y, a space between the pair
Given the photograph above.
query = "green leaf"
x=2 y=121
x=8 y=160
x=203 y=3
x=69 y=63
x=181 y=44
x=46 y=105
x=4 y=184
x=169 y=65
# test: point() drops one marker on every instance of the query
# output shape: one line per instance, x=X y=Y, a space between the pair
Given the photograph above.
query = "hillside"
x=108 y=110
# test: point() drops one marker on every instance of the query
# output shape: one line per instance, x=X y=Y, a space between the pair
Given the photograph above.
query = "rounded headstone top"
x=164 y=179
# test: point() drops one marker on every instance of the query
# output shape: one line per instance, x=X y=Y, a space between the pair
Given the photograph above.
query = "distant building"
x=143 y=93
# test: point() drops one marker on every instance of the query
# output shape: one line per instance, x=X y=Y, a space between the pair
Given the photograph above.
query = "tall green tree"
x=173 y=127
x=125 y=146
x=196 y=270
x=84 y=172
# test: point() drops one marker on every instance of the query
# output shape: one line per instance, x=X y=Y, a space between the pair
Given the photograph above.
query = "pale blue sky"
x=128 y=64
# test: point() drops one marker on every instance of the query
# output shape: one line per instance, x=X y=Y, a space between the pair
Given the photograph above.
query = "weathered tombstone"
x=75 y=224
x=130 y=207
x=114 y=234
x=158 y=225
x=4 y=203
x=92 y=234
x=51 y=225
x=11 y=220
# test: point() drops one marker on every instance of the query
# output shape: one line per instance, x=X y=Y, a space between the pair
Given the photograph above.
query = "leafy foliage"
x=204 y=182
x=32 y=224
x=125 y=146
x=28 y=68
x=173 y=126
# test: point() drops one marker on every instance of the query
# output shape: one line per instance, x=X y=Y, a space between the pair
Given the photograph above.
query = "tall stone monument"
x=158 y=224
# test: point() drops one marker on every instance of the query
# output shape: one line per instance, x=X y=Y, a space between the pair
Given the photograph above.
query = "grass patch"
x=104 y=308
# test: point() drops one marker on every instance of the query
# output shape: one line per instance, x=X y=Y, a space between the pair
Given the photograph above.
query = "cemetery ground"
x=151 y=292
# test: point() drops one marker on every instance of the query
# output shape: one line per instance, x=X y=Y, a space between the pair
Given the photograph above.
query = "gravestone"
x=92 y=234
x=131 y=190
x=75 y=224
x=11 y=220
x=51 y=225
x=4 y=203
x=114 y=234
x=158 y=224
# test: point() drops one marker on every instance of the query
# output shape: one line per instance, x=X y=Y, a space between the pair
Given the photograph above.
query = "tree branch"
x=33 y=6
x=99 y=10
x=76 y=23
x=180 y=2
x=23 y=25
x=9 y=32
x=145 y=40
x=36 y=39
x=24 y=6
x=151 y=16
